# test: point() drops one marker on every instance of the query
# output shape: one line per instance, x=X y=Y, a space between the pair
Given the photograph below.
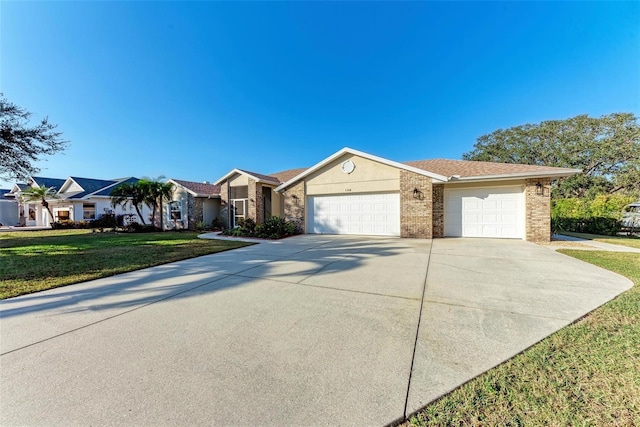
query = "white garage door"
x=484 y=212
x=369 y=214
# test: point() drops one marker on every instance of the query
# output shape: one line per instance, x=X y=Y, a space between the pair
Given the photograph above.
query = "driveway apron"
x=312 y=330
x=487 y=300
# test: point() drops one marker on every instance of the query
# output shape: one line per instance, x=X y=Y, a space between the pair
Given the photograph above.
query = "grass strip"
x=32 y=261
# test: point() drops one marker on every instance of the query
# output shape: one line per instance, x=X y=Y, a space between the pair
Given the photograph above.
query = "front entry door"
x=239 y=210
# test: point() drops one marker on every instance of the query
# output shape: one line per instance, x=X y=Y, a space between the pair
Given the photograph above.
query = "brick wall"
x=294 y=205
x=254 y=210
x=224 y=203
x=538 y=210
x=438 y=210
x=415 y=213
x=195 y=212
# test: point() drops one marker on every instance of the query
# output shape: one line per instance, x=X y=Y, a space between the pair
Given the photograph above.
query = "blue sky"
x=191 y=90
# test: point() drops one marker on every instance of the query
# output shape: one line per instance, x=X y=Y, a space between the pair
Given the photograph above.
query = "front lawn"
x=585 y=374
x=633 y=242
x=32 y=261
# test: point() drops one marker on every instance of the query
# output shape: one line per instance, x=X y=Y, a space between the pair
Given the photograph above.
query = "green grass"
x=32 y=261
x=633 y=242
x=585 y=374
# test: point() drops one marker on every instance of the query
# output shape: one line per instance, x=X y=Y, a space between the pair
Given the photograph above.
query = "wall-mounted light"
x=539 y=189
x=417 y=194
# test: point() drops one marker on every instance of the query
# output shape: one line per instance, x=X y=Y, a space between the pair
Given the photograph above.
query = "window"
x=62 y=215
x=175 y=209
x=88 y=211
x=241 y=192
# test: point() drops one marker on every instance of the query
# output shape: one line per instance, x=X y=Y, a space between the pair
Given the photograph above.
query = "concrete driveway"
x=312 y=330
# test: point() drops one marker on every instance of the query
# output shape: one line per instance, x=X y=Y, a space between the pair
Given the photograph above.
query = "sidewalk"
x=24 y=228
x=588 y=245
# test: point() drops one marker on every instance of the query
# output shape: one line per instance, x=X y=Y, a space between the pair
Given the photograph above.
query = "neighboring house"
x=192 y=202
x=9 y=215
x=33 y=213
x=352 y=192
x=77 y=199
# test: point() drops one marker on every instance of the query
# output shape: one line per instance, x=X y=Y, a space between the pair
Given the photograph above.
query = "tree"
x=151 y=192
x=607 y=149
x=40 y=194
x=22 y=145
x=156 y=192
x=129 y=193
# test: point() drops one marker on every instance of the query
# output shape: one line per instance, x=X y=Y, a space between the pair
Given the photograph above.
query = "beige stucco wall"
x=368 y=176
x=276 y=204
x=238 y=180
x=210 y=210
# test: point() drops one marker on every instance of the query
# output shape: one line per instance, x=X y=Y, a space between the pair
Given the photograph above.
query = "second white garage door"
x=368 y=214
x=484 y=212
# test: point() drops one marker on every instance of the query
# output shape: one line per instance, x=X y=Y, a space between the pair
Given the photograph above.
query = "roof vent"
x=206 y=182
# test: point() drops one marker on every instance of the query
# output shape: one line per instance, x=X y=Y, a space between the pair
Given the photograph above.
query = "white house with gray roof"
x=76 y=199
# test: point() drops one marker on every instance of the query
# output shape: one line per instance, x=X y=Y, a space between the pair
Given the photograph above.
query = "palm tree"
x=40 y=194
x=157 y=192
x=132 y=193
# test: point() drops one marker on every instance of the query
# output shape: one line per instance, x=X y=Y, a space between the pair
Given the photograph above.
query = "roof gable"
x=56 y=183
x=89 y=186
x=106 y=192
x=258 y=177
x=347 y=150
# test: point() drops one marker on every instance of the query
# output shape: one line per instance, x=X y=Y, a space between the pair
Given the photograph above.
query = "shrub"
x=598 y=225
x=272 y=228
x=217 y=224
x=202 y=226
x=248 y=224
x=599 y=215
x=136 y=227
x=104 y=221
x=275 y=228
x=609 y=205
x=63 y=224
x=603 y=205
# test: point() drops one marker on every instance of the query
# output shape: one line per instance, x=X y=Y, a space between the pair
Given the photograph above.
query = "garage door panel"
x=490 y=205
x=488 y=212
x=471 y=204
x=491 y=218
x=471 y=218
x=374 y=214
x=509 y=204
x=509 y=218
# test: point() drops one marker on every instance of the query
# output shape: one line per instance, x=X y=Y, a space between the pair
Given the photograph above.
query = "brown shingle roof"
x=285 y=176
x=444 y=167
x=200 y=188
x=467 y=168
x=260 y=176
